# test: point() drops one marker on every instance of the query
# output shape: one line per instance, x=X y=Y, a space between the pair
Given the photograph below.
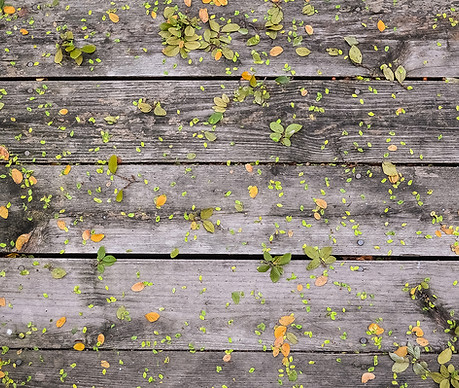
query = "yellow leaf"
x=23 y=31
x=22 y=240
x=17 y=176
x=253 y=191
x=137 y=287
x=97 y=237
x=3 y=212
x=381 y=26
x=367 y=377
x=78 y=346
x=67 y=170
x=114 y=17
x=101 y=339
x=287 y=320
x=275 y=51
x=152 y=317
x=279 y=332
x=161 y=200
x=60 y=322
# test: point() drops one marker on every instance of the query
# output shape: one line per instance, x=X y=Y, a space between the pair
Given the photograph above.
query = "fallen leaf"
x=9 y=9
x=381 y=26
x=61 y=225
x=63 y=111
x=97 y=237
x=23 y=31
x=3 y=212
x=153 y=14
x=114 y=17
x=438 y=233
x=367 y=377
x=321 y=281
x=67 y=170
x=418 y=331
x=60 y=322
x=285 y=361
x=309 y=30
x=422 y=341
x=317 y=216
x=86 y=235
x=22 y=240
x=276 y=351
x=246 y=75
x=152 y=317
x=227 y=358
x=33 y=180
x=276 y=50
x=278 y=341
x=204 y=15
x=392 y=148
x=79 y=346
x=2 y=302
x=402 y=351
x=447 y=230
x=321 y=203
x=58 y=273
x=2 y=374
x=299 y=287
x=279 y=332
x=285 y=349
x=4 y=154
x=104 y=364
x=101 y=339
x=376 y=329
x=17 y=176
x=249 y=168
x=286 y=320
x=187 y=3
x=137 y=287
x=218 y=55
x=253 y=191
x=161 y=200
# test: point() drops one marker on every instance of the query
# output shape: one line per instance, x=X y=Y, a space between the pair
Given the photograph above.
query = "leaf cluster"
x=281 y=134
x=448 y=375
x=275 y=17
x=402 y=363
x=68 y=46
x=354 y=52
x=275 y=265
x=221 y=103
x=204 y=218
x=259 y=93
x=319 y=256
x=217 y=38
x=104 y=260
x=390 y=75
x=145 y=107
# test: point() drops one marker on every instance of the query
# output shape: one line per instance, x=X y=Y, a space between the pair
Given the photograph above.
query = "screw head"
x=360 y=242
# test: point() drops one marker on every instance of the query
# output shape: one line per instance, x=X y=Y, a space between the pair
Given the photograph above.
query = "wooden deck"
x=396 y=243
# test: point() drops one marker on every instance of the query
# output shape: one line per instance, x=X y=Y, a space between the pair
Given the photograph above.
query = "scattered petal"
x=2 y=302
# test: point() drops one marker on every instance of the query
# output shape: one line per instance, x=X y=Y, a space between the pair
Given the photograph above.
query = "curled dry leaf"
x=4 y=212
x=227 y=358
x=101 y=339
x=60 y=322
x=137 y=287
x=2 y=302
x=437 y=233
x=22 y=240
x=79 y=346
x=279 y=332
x=152 y=317
x=402 y=351
x=321 y=281
x=17 y=176
x=418 y=331
x=253 y=191
x=286 y=320
x=161 y=200
x=61 y=225
x=422 y=341
x=114 y=17
x=4 y=154
x=321 y=203
x=366 y=377
x=97 y=237
x=86 y=235
x=104 y=364
x=204 y=15
x=276 y=50
x=246 y=75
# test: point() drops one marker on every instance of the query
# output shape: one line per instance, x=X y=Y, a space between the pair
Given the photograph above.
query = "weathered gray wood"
x=425 y=44
x=344 y=132
x=359 y=293
x=85 y=199
x=205 y=370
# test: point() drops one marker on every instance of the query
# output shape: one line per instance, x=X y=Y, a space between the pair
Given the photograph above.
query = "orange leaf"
x=276 y=50
x=101 y=339
x=218 y=55
x=160 y=201
x=63 y=111
x=60 y=322
x=61 y=225
x=317 y=216
x=4 y=154
x=287 y=320
x=153 y=14
x=422 y=341
x=321 y=281
x=204 y=15
x=367 y=377
x=33 y=180
x=447 y=230
x=217 y=3
x=381 y=26
x=206 y=1
x=438 y=233
x=86 y=235
x=280 y=332
x=9 y=9
x=299 y=287
x=187 y=3
x=375 y=329
x=104 y=364
x=3 y=212
x=276 y=351
x=79 y=346
x=152 y=317
x=67 y=170
x=2 y=374
x=285 y=361
x=253 y=191
x=114 y=17
x=279 y=341
x=418 y=331
x=285 y=349
x=246 y=75
x=17 y=176
x=227 y=358
x=321 y=203
x=392 y=148
x=249 y=167
x=2 y=302
x=309 y=30
x=402 y=351
x=22 y=240
x=223 y=2
x=97 y=237
x=23 y=31
x=137 y=287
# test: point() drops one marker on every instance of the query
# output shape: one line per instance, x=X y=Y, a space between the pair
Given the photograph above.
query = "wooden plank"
x=350 y=129
x=426 y=45
x=173 y=369
x=194 y=300
x=365 y=215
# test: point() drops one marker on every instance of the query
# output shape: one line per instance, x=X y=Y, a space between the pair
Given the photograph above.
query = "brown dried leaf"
x=4 y=154
x=367 y=377
x=422 y=341
x=17 y=176
x=447 y=230
x=276 y=50
x=402 y=351
x=97 y=237
x=4 y=212
x=287 y=320
x=321 y=203
x=279 y=332
x=79 y=346
x=253 y=191
x=86 y=235
x=249 y=167
x=104 y=364
x=114 y=17
x=137 y=287
x=204 y=15
x=321 y=281
x=392 y=148
x=22 y=240
x=285 y=349
x=227 y=358
x=2 y=302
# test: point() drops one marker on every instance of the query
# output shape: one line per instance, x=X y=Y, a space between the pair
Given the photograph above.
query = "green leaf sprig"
x=319 y=256
x=216 y=39
x=448 y=375
x=402 y=363
x=275 y=265
x=281 y=134
x=68 y=46
x=275 y=17
x=104 y=260
x=204 y=218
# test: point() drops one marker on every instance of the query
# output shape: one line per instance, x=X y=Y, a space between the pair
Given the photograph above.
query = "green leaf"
x=291 y=129
x=400 y=74
x=174 y=253
x=109 y=260
x=215 y=118
x=113 y=164
x=445 y=356
x=276 y=127
x=292 y=338
x=254 y=40
x=437 y=377
x=58 y=273
x=400 y=367
x=101 y=267
x=119 y=196
x=282 y=80
x=419 y=369
x=303 y=51
x=444 y=371
x=388 y=73
x=144 y=107
x=111 y=119
x=59 y=56
x=79 y=60
x=286 y=142
x=292 y=375
x=210 y=136
x=389 y=169
x=267 y=256
x=191 y=155
x=351 y=40
x=275 y=136
x=208 y=225
x=171 y=51
x=159 y=110
x=236 y=296
x=397 y=358
x=194 y=45
x=231 y=27
x=239 y=206
x=445 y=384
x=313 y=264
x=455 y=383
x=121 y=312
x=311 y=252
x=275 y=274
x=330 y=260
x=88 y=49
x=355 y=55
x=325 y=252
x=284 y=259
x=75 y=53
x=206 y=213
x=214 y=26
x=263 y=268
x=101 y=253
x=1 y=105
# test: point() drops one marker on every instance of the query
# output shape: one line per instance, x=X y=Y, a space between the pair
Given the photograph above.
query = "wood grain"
x=422 y=123
x=415 y=37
